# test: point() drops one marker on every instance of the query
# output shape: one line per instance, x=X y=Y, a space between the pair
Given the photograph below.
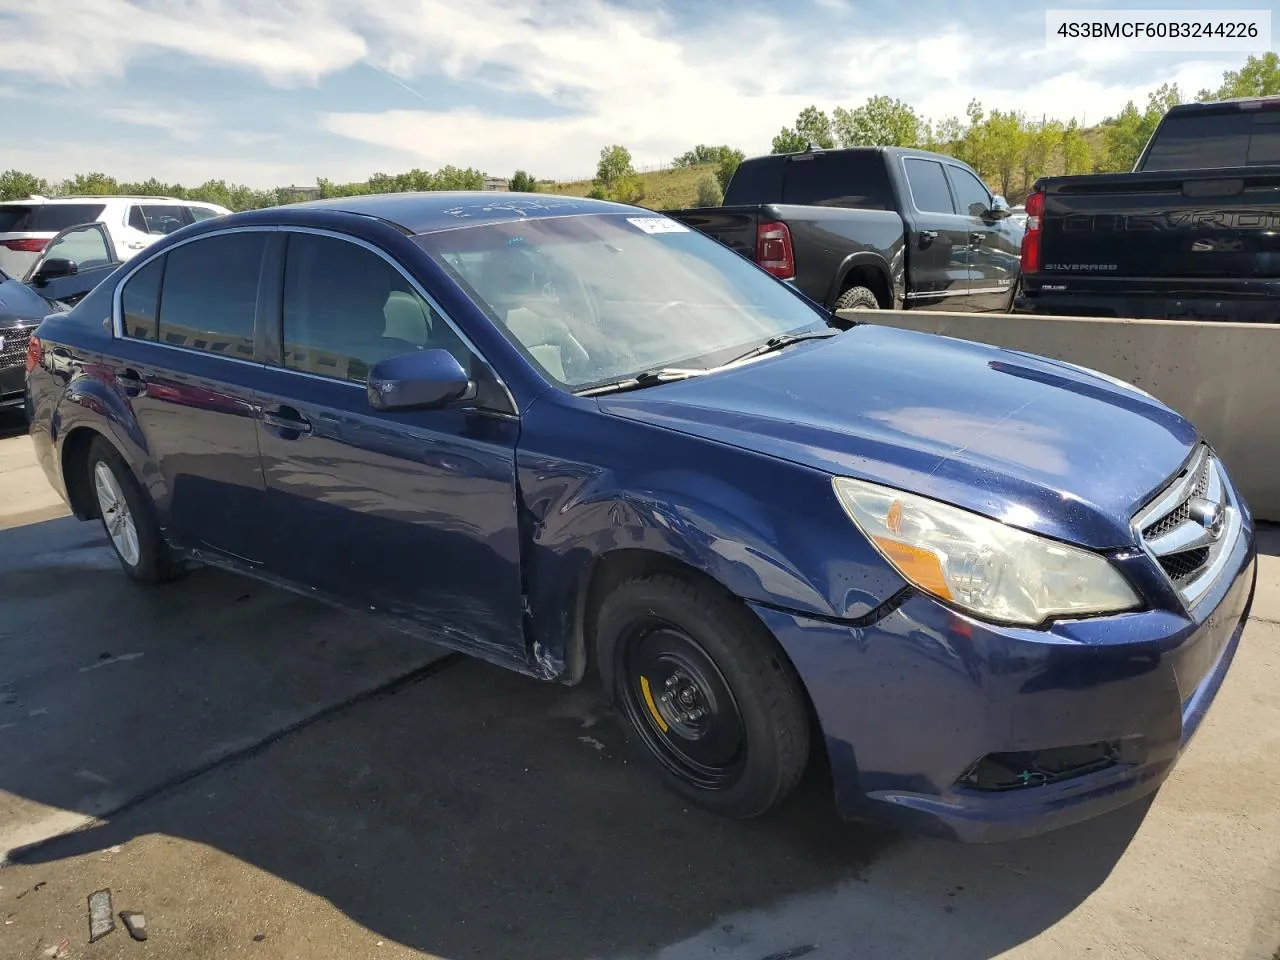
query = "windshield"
x=597 y=298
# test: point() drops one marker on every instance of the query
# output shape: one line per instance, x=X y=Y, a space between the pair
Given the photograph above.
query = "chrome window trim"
x=117 y=298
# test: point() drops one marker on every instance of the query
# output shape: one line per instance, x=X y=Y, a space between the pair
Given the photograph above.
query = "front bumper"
x=910 y=702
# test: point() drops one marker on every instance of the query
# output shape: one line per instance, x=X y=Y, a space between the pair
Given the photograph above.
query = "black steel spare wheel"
x=679 y=703
x=704 y=692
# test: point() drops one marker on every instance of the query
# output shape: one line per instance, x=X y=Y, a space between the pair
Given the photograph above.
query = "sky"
x=278 y=92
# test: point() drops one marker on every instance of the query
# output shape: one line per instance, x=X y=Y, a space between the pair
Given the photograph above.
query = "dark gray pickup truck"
x=871 y=227
x=1192 y=234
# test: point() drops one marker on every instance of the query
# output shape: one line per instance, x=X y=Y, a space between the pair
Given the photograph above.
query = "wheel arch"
x=863 y=269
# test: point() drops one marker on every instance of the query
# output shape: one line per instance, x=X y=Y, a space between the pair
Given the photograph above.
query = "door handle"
x=975 y=239
x=131 y=382
x=286 y=419
x=929 y=235
x=136 y=245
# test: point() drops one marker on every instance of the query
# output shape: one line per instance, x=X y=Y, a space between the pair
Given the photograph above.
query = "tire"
x=128 y=518
x=705 y=653
x=857 y=298
x=1013 y=297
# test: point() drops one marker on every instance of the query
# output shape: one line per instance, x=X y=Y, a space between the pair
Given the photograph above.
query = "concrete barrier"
x=1224 y=377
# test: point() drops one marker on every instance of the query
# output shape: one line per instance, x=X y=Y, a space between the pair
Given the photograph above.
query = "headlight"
x=993 y=571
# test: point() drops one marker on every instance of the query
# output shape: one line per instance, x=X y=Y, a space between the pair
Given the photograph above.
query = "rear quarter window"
x=12 y=217
x=53 y=217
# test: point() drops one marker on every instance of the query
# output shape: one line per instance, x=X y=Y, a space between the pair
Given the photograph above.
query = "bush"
x=709 y=192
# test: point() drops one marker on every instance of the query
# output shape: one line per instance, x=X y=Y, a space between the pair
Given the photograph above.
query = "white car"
x=133 y=223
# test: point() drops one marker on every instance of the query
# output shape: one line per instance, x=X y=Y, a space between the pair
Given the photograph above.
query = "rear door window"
x=209 y=296
x=159 y=219
x=929 y=191
x=856 y=180
x=1197 y=141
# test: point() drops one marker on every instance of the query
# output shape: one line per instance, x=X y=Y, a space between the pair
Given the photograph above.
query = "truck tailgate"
x=1194 y=224
x=735 y=227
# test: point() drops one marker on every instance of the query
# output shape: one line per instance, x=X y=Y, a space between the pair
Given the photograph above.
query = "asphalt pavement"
x=261 y=776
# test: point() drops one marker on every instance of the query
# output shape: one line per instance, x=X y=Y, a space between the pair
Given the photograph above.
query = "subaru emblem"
x=1208 y=514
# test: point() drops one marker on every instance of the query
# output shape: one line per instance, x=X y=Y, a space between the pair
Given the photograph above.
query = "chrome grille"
x=14 y=351
x=1191 y=526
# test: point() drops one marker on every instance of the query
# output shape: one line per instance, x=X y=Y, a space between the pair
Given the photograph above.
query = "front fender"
x=768 y=531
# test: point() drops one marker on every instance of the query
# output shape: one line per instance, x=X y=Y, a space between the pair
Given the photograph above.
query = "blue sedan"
x=993 y=592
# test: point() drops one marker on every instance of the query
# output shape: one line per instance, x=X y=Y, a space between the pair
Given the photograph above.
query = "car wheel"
x=705 y=694
x=857 y=298
x=128 y=517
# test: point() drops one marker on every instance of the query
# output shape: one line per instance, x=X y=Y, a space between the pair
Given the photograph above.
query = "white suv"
x=133 y=223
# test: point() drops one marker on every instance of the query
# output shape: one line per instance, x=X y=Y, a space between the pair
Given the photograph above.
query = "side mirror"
x=421 y=380
x=52 y=269
x=999 y=208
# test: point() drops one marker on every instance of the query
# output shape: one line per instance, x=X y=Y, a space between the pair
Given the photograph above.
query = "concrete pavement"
x=271 y=779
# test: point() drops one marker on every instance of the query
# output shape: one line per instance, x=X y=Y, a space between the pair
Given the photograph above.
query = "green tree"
x=709 y=192
x=880 y=122
x=701 y=154
x=1259 y=77
x=1043 y=144
x=789 y=141
x=616 y=178
x=1126 y=134
x=89 y=184
x=812 y=127
x=1077 y=155
x=730 y=160
x=454 y=178
x=153 y=188
x=521 y=182
x=18 y=185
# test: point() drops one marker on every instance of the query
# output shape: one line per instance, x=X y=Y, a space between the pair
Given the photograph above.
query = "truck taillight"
x=1035 y=229
x=774 y=251
x=35 y=353
x=27 y=245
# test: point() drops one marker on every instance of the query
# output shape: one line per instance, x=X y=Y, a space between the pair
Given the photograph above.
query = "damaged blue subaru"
x=993 y=593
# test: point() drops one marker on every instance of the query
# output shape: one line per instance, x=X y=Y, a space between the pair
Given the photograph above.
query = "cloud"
x=653 y=77
x=178 y=124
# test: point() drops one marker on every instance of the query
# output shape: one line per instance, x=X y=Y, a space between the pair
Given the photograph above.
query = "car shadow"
x=476 y=812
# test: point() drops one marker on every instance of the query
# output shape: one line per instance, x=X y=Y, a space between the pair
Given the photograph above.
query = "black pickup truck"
x=1192 y=233
x=871 y=227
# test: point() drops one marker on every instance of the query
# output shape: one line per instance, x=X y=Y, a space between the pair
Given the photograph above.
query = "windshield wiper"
x=646 y=378
x=780 y=341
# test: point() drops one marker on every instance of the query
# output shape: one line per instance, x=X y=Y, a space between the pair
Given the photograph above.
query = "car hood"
x=19 y=304
x=1039 y=444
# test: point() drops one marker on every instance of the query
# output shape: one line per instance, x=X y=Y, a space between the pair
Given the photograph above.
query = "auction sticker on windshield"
x=658 y=225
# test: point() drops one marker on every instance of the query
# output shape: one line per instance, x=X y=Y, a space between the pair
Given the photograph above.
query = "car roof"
x=434 y=211
x=103 y=198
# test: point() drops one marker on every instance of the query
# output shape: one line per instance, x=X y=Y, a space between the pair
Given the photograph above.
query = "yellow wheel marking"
x=653 y=707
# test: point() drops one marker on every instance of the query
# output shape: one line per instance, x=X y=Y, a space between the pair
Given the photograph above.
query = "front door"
x=937 y=241
x=185 y=358
x=77 y=259
x=411 y=514
x=993 y=253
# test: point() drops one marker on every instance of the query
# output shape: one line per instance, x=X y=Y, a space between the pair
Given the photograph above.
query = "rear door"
x=410 y=513
x=993 y=243
x=148 y=222
x=188 y=362
x=937 y=239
